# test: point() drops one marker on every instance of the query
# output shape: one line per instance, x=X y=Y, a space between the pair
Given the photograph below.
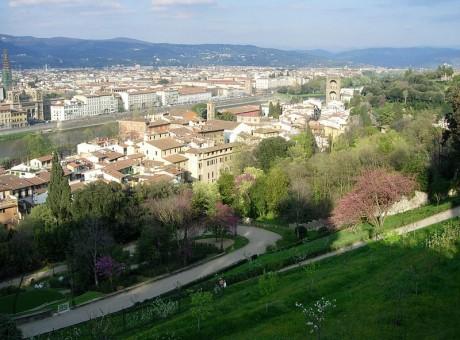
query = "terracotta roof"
x=155 y=178
x=212 y=148
x=151 y=164
x=165 y=143
x=265 y=130
x=114 y=173
x=11 y=182
x=242 y=109
x=156 y=123
x=218 y=125
x=175 y=158
x=184 y=91
x=46 y=158
x=123 y=164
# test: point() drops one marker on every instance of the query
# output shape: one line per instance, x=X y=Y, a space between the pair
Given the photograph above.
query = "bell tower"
x=332 y=89
x=211 y=111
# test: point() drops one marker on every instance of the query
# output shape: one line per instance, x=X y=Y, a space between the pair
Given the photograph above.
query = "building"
x=30 y=100
x=81 y=106
x=168 y=97
x=332 y=89
x=192 y=94
x=159 y=149
x=139 y=100
x=206 y=165
x=44 y=162
x=66 y=110
x=214 y=130
x=94 y=105
x=7 y=78
x=11 y=118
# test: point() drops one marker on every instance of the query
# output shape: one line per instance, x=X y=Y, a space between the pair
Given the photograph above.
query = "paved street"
x=258 y=238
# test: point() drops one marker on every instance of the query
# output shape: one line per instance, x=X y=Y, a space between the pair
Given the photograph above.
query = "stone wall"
x=420 y=198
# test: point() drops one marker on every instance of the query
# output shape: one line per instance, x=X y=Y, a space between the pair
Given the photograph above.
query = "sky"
x=287 y=24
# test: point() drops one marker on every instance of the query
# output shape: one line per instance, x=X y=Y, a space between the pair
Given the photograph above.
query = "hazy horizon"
x=289 y=25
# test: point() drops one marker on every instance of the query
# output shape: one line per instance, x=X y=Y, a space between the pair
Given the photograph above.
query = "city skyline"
x=291 y=24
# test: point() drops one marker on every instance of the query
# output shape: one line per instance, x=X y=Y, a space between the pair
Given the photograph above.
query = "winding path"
x=258 y=238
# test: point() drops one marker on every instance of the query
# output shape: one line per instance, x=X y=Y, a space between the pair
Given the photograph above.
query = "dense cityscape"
x=215 y=191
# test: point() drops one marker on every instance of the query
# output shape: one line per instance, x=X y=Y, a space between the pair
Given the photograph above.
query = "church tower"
x=211 y=111
x=6 y=71
x=332 y=89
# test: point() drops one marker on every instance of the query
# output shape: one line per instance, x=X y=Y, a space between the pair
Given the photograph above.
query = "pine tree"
x=58 y=199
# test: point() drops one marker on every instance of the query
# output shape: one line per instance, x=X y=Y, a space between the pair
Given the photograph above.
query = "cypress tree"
x=58 y=199
x=271 y=109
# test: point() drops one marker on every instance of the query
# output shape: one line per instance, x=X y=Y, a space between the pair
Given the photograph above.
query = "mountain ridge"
x=63 y=52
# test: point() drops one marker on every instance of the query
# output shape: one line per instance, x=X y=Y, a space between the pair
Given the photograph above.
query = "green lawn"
x=387 y=267
x=88 y=296
x=397 y=289
x=29 y=299
x=279 y=259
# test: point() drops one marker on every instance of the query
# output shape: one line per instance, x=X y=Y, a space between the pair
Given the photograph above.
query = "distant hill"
x=31 y=52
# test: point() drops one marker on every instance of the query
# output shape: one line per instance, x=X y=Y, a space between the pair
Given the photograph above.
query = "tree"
x=223 y=222
x=8 y=329
x=268 y=282
x=90 y=241
x=50 y=238
x=59 y=199
x=375 y=192
x=271 y=109
x=107 y=267
x=37 y=145
x=226 y=187
x=201 y=109
x=178 y=215
x=228 y=116
x=452 y=135
x=202 y=308
x=276 y=189
x=304 y=146
x=243 y=185
x=112 y=206
x=315 y=315
x=205 y=197
x=269 y=150
x=300 y=194
x=23 y=256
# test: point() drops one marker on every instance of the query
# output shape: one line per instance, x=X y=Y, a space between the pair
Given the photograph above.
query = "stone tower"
x=332 y=89
x=211 y=111
x=6 y=71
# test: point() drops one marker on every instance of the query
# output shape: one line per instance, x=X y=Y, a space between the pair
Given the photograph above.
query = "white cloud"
x=101 y=3
x=164 y=4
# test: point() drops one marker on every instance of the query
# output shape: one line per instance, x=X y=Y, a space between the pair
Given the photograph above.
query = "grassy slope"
x=383 y=291
x=29 y=299
x=337 y=240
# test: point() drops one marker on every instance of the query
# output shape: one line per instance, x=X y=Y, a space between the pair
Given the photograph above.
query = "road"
x=258 y=238
x=104 y=119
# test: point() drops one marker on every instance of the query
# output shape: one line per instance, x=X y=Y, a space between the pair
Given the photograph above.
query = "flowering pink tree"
x=224 y=221
x=107 y=267
x=375 y=192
